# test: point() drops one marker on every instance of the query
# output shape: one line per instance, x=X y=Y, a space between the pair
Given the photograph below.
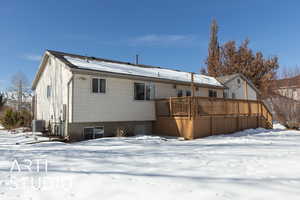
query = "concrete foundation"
x=75 y=131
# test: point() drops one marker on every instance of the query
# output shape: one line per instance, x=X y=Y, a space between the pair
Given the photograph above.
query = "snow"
x=252 y=164
x=8 y=138
x=278 y=126
x=141 y=71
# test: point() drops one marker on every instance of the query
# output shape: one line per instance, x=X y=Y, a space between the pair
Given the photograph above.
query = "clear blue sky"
x=171 y=33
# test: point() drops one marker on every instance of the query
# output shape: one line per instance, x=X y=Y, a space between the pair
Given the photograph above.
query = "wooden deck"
x=195 y=117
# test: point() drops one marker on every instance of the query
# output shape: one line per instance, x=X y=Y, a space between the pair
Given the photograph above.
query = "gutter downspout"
x=68 y=105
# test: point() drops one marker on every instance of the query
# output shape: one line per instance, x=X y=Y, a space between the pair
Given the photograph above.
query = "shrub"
x=25 y=118
x=10 y=119
x=13 y=119
x=2 y=101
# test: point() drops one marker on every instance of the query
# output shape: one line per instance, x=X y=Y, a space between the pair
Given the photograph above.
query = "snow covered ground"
x=253 y=164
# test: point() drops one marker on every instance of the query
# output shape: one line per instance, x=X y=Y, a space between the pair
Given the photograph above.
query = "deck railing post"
x=170 y=105
x=238 y=116
x=249 y=108
x=268 y=119
x=261 y=114
x=257 y=114
x=211 y=117
x=190 y=107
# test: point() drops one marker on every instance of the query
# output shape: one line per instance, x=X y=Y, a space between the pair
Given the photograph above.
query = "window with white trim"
x=98 y=85
x=179 y=93
x=48 y=91
x=188 y=93
x=144 y=91
x=212 y=93
x=93 y=132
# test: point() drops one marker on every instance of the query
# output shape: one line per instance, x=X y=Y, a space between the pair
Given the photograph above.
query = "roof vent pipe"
x=136 y=59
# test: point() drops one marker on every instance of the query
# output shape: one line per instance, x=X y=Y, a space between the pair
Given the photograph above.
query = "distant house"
x=12 y=100
x=288 y=87
x=239 y=87
x=85 y=97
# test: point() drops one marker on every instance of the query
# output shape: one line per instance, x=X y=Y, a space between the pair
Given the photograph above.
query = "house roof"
x=75 y=61
x=293 y=82
x=227 y=78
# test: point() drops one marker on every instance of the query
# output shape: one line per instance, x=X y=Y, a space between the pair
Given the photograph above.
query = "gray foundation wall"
x=110 y=128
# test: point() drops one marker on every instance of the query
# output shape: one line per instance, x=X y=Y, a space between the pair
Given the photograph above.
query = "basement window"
x=98 y=85
x=88 y=133
x=98 y=131
x=93 y=132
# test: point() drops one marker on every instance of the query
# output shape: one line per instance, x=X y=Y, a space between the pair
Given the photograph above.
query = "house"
x=287 y=87
x=239 y=87
x=83 y=97
x=13 y=101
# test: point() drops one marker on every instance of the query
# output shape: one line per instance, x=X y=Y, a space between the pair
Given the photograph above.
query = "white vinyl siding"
x=212 y=93
x=144 y=91
x=48 y=91
x=240 y=89
x=52 y=92
x=98 y=85
x=118 y=103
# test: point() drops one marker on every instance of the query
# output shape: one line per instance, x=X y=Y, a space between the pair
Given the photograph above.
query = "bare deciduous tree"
x=284 y=98
x=19 y=87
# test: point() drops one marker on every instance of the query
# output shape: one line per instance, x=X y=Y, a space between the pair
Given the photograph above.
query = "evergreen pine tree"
x=2 y=100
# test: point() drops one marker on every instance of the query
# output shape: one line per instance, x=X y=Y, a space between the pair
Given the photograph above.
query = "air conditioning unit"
x=38 y=125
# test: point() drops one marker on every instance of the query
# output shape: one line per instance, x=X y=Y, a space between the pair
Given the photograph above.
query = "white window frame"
x=186 y=92
x=97 y=127
x=48 y=91
x=177 y=92
x=93 y=127
x=99 y=85
x=152 y=91
x=214 y=92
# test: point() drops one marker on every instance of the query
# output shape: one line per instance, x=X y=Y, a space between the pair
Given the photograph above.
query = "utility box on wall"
x=38 y=125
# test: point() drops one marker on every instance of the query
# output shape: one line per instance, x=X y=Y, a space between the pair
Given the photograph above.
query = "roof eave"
x=40 y=70
x=131 y=76
x=246 y=79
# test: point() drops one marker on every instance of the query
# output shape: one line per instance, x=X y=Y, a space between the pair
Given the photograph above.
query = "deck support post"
x=238 y=117
x=170 y=107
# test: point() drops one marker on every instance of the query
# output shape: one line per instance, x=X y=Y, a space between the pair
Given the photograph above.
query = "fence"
x=241 y=114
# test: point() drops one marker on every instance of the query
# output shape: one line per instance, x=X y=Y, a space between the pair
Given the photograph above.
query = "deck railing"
x=203 y=106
